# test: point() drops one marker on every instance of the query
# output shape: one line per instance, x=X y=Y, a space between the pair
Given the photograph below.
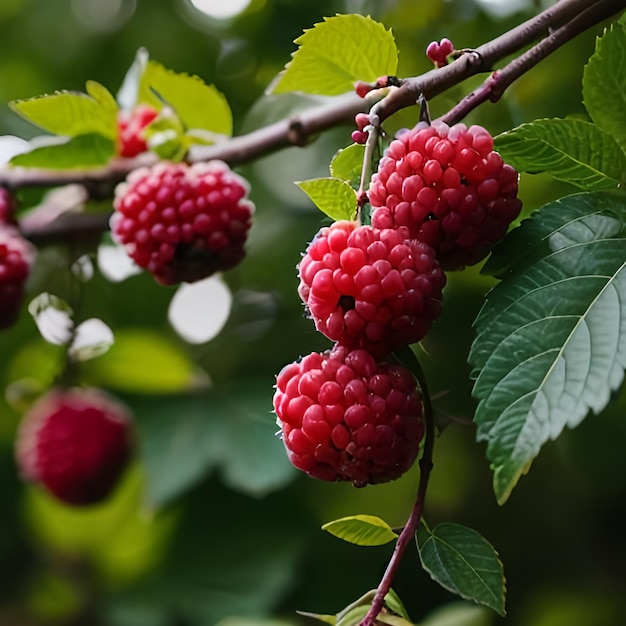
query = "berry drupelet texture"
x=75 y=443
x=16 y=259
x=370 y=288
x=345 y=417
x=183 y=222
x=131 y=125
x=449 y=188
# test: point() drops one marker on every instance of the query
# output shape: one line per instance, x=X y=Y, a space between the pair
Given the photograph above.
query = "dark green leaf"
x=68 y=113
x=571 y=150
x=335 y=53
x=332 y=196
x=551 y=337
x=78 y=153
x=604 y=83
x=184 y=437
x=197 y=104
x=363 y=530
x=348 y=163
x=464 y=562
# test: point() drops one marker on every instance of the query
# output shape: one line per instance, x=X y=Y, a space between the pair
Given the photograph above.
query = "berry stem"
x=407 y=357
x=373 y=130
x=494 y=86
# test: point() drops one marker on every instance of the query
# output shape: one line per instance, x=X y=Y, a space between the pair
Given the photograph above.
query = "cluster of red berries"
x=75 y=443
x=16 y=259
x=441 y=198
x=131 y=126
x=183 y=222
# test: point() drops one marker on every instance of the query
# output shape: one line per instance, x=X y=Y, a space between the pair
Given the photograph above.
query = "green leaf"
x=128 y=93
x=320 y=617
x=604 y=83
x=332 y=196
x=459 y=614
x=68 y=113
x=197 y=104
x=348 y=163
x=143 y=361
x=335 y=53
x=184 y=437
x=551 y=337
x=464 y=562
x=102 y=95
x=363 y=530
x=166 y=135
x=571 y=150
x=78 y=153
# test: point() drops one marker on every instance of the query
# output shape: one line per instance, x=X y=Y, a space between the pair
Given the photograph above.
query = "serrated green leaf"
x=102 y=95
x=363 y=530
x=571 y=150
x=68 y=113
x=332 y=196
x=551 y=337
x=335 y=53
x=348 y=163
x=78 y=153
x=197 y=104
x=604 y=83
x=186 y=436
x=464 y=562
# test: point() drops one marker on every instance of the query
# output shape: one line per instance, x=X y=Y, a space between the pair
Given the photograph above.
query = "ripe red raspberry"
x=183 y=222
x=449 y=188
x=370 y=288
x=16 y=259
x=7 y=208
x=131 y=125
x=344 y=417
x=75 y=443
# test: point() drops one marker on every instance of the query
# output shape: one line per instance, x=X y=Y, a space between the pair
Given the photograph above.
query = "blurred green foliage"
x=211 y=523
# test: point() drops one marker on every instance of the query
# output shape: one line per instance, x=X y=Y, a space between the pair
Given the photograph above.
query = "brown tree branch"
x=554 y=26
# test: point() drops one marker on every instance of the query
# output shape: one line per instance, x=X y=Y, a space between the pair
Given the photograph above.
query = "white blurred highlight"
x=220 y=9
x=115 y=265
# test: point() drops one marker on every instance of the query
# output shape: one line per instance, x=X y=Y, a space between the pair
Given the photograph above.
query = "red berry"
x=75 y=443
x=16 y=259
x=449 y=188
x=7 y=208
x=131 y=125
x=183 y=222
x=370 y=288
x=344 y=417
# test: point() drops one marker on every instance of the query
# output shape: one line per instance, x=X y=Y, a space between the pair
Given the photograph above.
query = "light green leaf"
x=459 y=614
x=166 y=135
x=464 y=562
x=332 y=196
x=197 y=104
x=327 y=619
x=348 y=163
x=571 y=150
x=78 y=153
x=143 y=361
x=102 y=95
x=363 y=530
x=604 y=83
x=551 y=337
x=335 y=53
x=68 y=113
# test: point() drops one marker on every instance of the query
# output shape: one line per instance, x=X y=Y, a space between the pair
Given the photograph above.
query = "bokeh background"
x=211 y=523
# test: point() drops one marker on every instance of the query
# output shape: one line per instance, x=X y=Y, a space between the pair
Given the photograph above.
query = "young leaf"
x=68 y=113
x=331 y=196
x=571 y=150
x=128 y=93
x=78 y=153
x=197 y=104
x=464 y=562
x=604 y=83
x=102 y=95
x=348 y=163
x=335 y=53
x=551 y=337
x=363 y=530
